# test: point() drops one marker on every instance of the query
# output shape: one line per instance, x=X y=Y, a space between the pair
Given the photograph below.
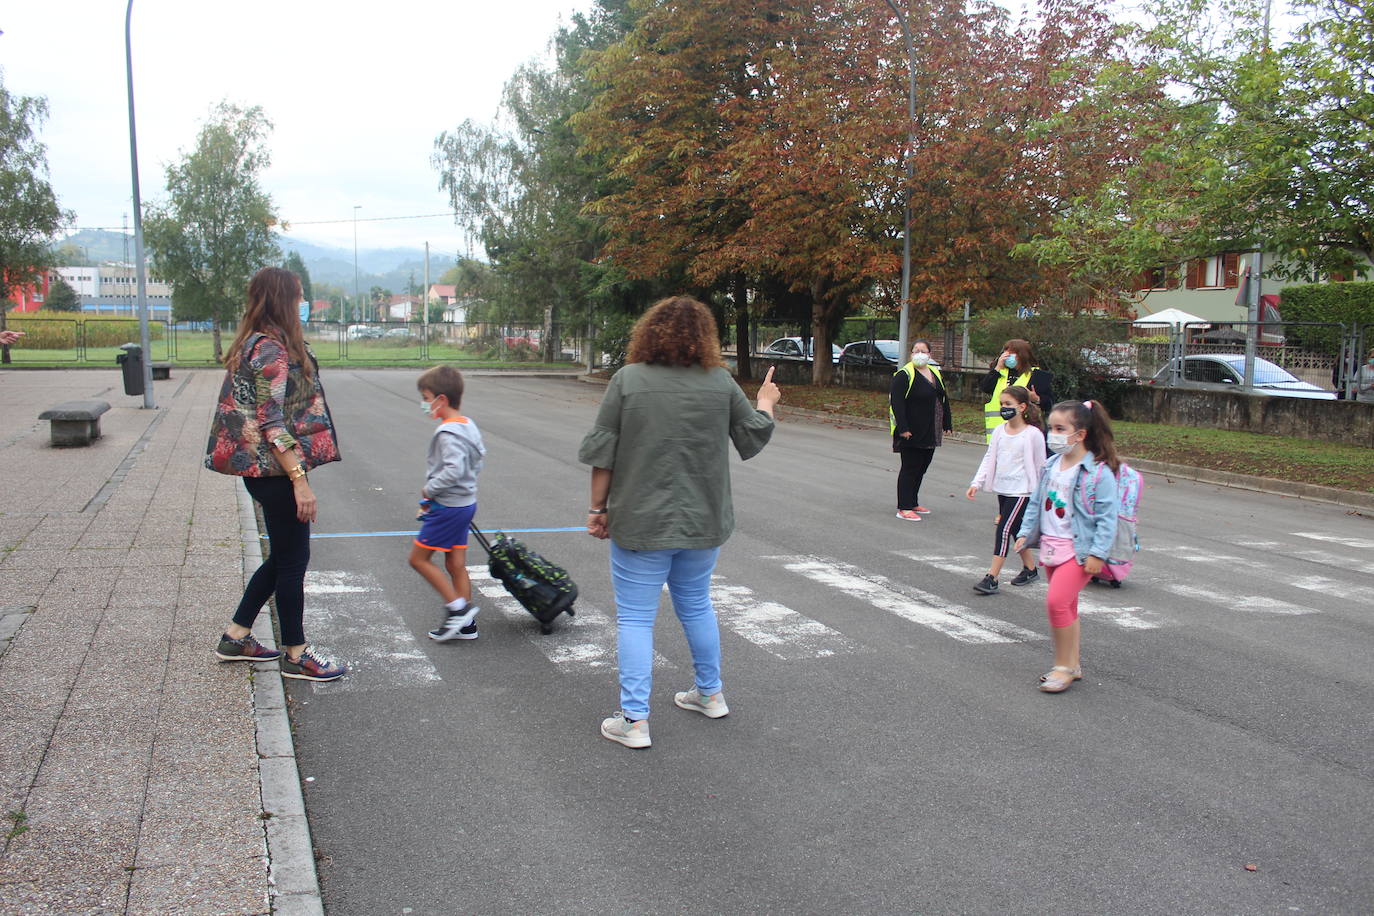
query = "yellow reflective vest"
x=910 y=371
x=992 y=410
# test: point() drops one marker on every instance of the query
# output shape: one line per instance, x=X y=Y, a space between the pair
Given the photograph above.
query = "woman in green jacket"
x=660 y=492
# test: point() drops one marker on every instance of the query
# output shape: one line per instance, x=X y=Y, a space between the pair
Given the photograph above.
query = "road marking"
x=776 y=629
x=1357 y=543
x=1128 y=618
x=1308 y=583
x=585 y=641
x=365 y=632
x=1306 y=553
x=913 y=604
x=1238 y=602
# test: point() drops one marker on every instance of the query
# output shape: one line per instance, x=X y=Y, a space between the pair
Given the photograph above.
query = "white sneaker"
x=630 y=734
x=454 y=623
x=712 y=707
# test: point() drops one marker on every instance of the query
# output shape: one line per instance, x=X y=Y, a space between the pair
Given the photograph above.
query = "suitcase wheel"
x=572 y=613
x=545 y=629
x=1115 y=584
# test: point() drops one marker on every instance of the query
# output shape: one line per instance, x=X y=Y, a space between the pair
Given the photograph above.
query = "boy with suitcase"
x=448 y=501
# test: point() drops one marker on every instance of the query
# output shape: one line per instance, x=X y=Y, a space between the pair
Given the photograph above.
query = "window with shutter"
x=1231 y=269
x=1195 y=269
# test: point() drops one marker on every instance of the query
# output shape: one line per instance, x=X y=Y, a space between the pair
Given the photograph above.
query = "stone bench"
x=162 y=371
x=75 y=422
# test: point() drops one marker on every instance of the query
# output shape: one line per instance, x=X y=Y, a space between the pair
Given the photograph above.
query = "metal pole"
x=424 y=301
x=903 y=324
x=356 y=207
x=138 y=218
x=1252 y=330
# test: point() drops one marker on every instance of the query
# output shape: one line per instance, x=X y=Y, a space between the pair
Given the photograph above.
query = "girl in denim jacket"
x=1072 y=518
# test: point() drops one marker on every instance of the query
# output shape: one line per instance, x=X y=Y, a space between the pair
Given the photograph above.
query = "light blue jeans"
x=639 y=577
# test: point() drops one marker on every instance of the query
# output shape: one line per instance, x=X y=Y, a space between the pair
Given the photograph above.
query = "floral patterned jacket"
x=267 y=400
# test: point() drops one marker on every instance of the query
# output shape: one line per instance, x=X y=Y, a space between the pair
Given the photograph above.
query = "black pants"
x=915 y=461
x=283 y=572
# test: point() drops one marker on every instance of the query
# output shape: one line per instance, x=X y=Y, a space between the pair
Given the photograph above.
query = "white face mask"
x=921 y=359
x=427 y=407
x=1058 y=442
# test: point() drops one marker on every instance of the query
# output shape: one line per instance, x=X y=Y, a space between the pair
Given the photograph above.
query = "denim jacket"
x=1094 y=527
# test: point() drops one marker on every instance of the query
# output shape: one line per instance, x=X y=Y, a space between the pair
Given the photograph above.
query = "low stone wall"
x=1348 y=422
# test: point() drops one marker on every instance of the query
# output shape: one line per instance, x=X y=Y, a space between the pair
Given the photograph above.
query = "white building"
x=112 y=289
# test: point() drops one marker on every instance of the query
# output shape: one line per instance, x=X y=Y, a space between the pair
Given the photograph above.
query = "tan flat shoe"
x=1060 y=678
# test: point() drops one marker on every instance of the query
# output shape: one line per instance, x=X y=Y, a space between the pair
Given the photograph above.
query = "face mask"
x=427 y=407
x=1010 y=361
x=1008 y=412
x=921 y=359
x=1058 y=443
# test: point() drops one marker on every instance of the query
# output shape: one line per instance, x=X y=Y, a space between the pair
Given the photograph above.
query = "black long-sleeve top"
x=1041 y=381
x=924 y=411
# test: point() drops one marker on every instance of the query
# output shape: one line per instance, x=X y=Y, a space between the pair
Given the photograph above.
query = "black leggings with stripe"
x=1010 y=511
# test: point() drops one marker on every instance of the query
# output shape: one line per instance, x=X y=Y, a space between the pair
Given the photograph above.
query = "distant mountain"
x=389 y=268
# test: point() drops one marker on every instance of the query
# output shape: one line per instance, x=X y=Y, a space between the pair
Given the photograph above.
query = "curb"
x=294 y=884
x=1350 y=499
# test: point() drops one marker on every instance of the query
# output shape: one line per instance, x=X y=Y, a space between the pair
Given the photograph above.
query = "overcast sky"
x=357 y=92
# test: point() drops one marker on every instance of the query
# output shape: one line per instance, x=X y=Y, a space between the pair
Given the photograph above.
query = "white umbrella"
x=1175 y=317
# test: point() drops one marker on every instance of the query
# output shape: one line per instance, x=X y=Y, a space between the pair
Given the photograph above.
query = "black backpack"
x=542 y=588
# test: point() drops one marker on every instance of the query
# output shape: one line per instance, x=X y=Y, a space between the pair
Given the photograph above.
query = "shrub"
x=1346 y=303
x=614 y=339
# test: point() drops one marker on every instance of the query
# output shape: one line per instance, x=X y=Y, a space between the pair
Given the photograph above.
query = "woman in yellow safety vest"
x=1015 y=366
x=918 y=415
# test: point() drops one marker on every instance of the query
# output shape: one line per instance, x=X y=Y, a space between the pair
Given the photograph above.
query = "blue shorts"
x=445 y=527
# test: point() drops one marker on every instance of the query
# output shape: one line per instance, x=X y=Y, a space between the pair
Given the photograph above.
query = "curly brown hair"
x=677 y=331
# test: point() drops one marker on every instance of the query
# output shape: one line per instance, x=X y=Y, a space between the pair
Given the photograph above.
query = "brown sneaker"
x=247 y=649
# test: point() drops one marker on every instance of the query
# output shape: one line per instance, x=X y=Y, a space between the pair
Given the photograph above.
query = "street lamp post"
x=903 y=324
x=356 y=208
x=138 y=219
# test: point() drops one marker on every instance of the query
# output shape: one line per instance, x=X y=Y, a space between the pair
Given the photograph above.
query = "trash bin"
x=132 y=362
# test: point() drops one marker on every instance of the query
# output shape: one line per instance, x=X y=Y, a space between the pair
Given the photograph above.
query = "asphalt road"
x=887 y=751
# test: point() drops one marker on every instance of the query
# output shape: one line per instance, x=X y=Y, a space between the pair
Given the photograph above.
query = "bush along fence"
x=51 y=340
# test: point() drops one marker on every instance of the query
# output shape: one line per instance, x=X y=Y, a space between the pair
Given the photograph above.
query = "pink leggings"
x=1066 y=581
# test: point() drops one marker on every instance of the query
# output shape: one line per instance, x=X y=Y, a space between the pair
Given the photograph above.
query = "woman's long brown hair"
x=272 y=297
x=677 y=331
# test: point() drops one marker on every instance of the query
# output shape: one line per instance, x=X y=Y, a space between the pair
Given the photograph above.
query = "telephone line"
x=294 y=223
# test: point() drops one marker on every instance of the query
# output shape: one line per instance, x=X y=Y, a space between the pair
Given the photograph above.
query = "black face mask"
x=1008 y=412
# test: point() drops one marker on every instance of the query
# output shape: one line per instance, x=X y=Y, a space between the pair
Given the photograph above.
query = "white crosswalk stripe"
x=586 y=641
x=1322 y=584
x=776 y=629
x=365 y=632
x=954 y=620
x=974 y=568
x=1324 y=557
x=1357 y=543
x=1247 y=603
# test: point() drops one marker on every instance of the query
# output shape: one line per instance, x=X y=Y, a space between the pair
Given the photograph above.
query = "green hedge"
x=61 y=331
x=1346 y=303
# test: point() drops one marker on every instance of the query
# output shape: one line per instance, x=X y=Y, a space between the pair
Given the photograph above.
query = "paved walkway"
x=137 y=775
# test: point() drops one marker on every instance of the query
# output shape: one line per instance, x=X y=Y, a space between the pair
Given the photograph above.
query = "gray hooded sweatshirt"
x=455 y=460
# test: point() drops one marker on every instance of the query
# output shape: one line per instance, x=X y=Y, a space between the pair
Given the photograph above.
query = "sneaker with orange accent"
x=622 y=731
x=712 y=706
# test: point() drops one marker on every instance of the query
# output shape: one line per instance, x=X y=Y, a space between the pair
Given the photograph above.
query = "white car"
x=1225 y=371
x=794 y=347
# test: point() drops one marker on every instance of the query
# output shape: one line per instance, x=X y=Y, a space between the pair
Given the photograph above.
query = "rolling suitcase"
x=542 y=588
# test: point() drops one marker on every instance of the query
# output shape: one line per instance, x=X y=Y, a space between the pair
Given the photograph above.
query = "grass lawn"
x=1278 y=457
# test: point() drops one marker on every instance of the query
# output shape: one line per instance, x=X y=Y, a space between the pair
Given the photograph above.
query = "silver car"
x=1224 y=372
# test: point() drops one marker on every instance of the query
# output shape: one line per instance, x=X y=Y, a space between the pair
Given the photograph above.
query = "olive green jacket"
x=665 y=432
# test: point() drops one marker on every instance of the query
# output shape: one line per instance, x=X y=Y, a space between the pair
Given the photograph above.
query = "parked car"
x=1224 y=372
x=1111 y=361
x=870 y=353
x=399 y=332
x=364 y=332
x=793 y=348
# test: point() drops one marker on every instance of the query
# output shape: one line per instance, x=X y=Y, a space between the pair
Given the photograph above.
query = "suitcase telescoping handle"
x=481 y=538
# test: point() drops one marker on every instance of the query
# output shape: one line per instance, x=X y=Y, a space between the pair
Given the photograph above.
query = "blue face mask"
x=1010 y=361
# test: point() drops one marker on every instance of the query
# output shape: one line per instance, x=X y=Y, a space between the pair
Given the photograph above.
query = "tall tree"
x=61 y=297
x=1267 y=146
x=296 y=264
x=29 y=213
x=215 y=229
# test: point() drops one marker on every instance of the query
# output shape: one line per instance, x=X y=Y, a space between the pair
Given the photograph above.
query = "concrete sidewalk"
x=137 y=775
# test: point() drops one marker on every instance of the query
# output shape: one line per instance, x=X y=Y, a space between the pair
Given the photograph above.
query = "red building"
x=28 y=298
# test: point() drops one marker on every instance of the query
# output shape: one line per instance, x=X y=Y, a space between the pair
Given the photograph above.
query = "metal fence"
x=1298 y=358
x=61 y=341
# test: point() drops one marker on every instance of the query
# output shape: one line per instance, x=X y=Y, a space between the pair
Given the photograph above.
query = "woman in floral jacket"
x=271 y=426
